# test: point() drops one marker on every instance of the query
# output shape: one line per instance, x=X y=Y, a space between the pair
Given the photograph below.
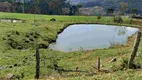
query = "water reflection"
x=91 y=36
x=121 y=30
x=11 y=20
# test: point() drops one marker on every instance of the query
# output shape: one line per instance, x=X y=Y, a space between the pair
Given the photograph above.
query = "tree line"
x=37 y=6
x=57 y=7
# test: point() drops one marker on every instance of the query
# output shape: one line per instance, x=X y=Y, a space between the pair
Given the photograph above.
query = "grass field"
x=21 y=62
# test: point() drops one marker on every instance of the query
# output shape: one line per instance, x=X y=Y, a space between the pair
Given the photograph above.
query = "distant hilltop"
x=132 y=4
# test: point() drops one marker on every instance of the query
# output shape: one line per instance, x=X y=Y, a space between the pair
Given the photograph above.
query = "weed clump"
x=53 y=19
x=117 y=19
x=99 y=17
x=17 y=40
x=124 y=65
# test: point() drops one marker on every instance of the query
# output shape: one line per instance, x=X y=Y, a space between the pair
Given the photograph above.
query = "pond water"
x=91 y=36
x=11 y=20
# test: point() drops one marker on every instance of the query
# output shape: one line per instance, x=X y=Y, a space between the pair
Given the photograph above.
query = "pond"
x=10 y=20
x=80 y=37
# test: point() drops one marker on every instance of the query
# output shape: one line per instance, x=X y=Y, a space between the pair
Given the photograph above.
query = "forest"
x=65 y=7
x=33 y=6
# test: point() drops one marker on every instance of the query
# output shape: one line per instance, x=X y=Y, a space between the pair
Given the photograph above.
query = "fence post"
x=98 y=64
x=37 y=63
x=135 y=49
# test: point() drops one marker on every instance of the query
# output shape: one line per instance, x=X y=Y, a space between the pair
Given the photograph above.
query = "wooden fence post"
x=135 y=49
x=98 y=64
x=37 y=63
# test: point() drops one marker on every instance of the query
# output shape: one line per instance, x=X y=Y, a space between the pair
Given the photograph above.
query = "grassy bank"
x=18 y=42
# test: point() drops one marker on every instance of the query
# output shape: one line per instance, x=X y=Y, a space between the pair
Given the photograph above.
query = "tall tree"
x=123 y=7
x=110 y=11
x=134 y=11
x=23 y=7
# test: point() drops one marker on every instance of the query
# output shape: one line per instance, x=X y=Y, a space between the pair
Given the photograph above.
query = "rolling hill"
x=137 y=4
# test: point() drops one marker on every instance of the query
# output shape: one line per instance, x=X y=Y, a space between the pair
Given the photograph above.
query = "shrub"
x=53 y=19
x=117 y=19
x=99 y=17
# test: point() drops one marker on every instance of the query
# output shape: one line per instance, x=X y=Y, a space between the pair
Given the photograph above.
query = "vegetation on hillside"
x=34 y=6
x=133 y=4
x=66 y=7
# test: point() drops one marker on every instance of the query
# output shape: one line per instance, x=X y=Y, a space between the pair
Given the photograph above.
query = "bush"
x=99 y=17
x=117 y=19
x=53 y=20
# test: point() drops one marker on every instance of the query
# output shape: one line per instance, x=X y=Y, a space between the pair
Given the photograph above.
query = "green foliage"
x=134 y=11
x=32 y=6
x=110 y=11
x=99 y=17
x=118 y=19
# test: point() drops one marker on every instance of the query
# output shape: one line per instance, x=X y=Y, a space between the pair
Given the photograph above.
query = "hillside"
x=111 y=3
x=19 y=63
